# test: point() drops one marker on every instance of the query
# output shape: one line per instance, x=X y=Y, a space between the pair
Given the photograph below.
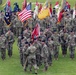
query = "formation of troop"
x=40 y=50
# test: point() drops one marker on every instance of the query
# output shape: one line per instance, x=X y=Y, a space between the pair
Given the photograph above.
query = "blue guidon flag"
x=7 y=18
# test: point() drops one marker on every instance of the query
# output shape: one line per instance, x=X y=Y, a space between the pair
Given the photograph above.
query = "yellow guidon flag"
x=4 y=4
x=44 y=13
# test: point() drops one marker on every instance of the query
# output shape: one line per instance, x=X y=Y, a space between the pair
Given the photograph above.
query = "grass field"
x=72 y=2
x=12 y=66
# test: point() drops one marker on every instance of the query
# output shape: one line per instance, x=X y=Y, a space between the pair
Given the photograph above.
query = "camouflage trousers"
x=45 y=61
x=72 y=51
x=38 y=59
x=14 y=30
x=21 y=57
x=18 y=31
x=32 y=63
x=64 y=48
x=24 y=58
x=3 y=53
x=2 y=31
x=50 y=59
x=9 y=48
x=24 y=62
x=56 y=51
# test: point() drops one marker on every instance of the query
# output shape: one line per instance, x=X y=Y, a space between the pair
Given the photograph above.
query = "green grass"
x=72 y=2
x=12 y=66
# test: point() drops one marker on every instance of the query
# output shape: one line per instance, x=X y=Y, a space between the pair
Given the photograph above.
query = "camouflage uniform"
x=42 y=23
x=53 y=21
x=74 y=24
x=48 y=33
x=38 y=51
x=13 y=22
x=19 y=41
x=43 y=37
x=3 y=46
x=18 y=27
x=24 y=54
x=64 y=42
x=34 y=22
x=1 y=26
x=55 y=38
x=72 y=44
x=20 y=48
x=68 y=23
x=51 y=49
x=45 y=55
x=21 y=51
x=30 y=23
x=61 y=25
x=10 y=40
x=3 y=22
x=31 y=57
x=26 y=34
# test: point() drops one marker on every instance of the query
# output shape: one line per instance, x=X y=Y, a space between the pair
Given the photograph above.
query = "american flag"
x=26 y=13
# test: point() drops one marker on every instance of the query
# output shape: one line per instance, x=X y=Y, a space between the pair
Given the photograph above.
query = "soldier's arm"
x=27 y=51
x=42 y=52
x=75 y=39
x=45 y=51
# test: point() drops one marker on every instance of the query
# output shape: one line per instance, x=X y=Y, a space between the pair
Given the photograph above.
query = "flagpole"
x=36 y=0
x=63 y=3
x=29 y=1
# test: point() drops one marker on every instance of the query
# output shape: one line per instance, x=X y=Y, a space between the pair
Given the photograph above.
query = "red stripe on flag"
x=24 y=15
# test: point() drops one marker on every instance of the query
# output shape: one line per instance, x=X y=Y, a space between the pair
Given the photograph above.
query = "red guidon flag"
x=36 y=31
x=57 y=5
x=67 y=4
x=8 y=3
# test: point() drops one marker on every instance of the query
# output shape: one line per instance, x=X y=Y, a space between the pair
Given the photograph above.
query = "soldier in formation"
x=72 y=44
x=3 y=46
x=10 y=40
